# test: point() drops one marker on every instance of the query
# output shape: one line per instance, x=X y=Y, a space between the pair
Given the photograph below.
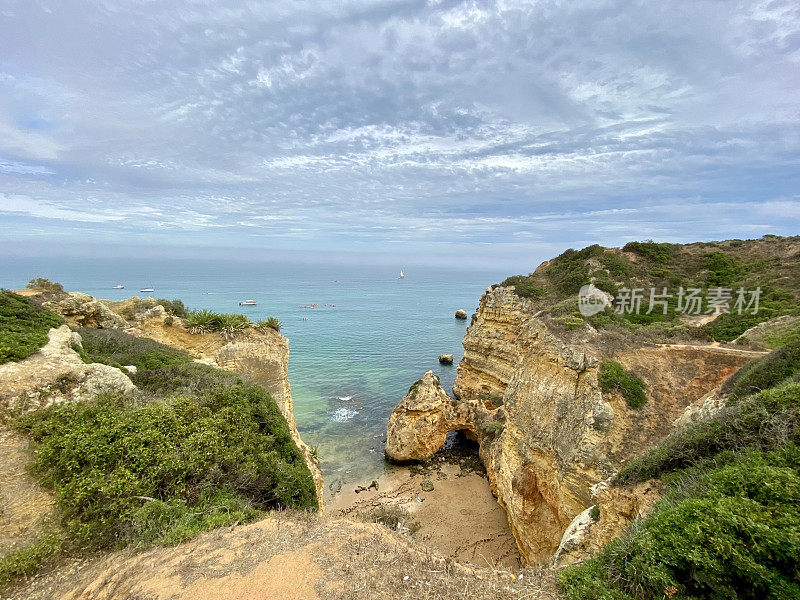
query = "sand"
x=460 y=517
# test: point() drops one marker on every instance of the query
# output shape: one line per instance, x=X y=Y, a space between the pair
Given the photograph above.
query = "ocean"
x=352 y=358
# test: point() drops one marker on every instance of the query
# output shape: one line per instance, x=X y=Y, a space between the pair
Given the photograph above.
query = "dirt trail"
x=291 y=556
x=24 y=505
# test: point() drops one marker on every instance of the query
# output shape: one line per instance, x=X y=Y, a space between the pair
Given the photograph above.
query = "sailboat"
x=402 y=275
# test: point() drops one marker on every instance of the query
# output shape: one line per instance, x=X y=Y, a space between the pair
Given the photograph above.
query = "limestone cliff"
x=56 y=374
x=547 y=433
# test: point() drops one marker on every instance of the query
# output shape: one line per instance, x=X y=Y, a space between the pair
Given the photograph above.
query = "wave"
x=342 y=415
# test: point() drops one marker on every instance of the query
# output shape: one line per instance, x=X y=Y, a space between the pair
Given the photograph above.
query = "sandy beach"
x=459 y=517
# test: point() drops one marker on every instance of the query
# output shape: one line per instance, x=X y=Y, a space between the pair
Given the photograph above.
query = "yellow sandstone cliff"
x=547 y=433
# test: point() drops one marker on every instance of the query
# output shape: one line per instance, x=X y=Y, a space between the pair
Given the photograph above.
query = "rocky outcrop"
x=614 y=509
x=56 y=374
x=547 y=433
x=419 y=425
x=446 y=359
x=82 y=310
x=461 y=314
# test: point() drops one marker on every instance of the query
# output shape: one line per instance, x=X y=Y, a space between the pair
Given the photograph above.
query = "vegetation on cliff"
x=196 y=448
x=23 y=326
x=769 y=263
x=614 y=378
x=730 y=524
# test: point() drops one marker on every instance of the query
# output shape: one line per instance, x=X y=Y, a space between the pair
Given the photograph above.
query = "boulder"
x=446 y=359
x=461 y=314
x=82 y=310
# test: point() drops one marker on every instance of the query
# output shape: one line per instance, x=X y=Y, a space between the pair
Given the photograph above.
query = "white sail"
x=402 y=275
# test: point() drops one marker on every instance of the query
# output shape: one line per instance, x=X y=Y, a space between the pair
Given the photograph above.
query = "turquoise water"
x=349 y=364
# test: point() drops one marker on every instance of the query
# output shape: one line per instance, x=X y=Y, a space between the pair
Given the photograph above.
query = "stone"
x=82 y=310
x=461 y=314
x=446 y=359
x=56 y=374
x=426 y=485
x=419 y=424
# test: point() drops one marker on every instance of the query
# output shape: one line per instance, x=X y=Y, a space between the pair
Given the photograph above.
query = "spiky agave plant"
x=269 y=323
x=200 y=321
x=230 y=324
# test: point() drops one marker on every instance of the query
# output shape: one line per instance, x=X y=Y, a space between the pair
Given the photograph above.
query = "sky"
x=436 y=131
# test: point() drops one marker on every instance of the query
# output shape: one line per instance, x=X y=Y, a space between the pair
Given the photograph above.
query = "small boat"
x=402 y=275
x=247 y=303
x=147 y=290
x=119 y=287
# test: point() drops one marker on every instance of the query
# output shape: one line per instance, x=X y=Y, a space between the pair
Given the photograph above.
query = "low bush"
x=117 y=348
x=656 y=252
x=23 y=326
x=732 y=532
x=207 y=321
x=765 y=372
x=393 y=517
x=26 y=561
x=613 y=377
x=523 y=286
x=128 y=473
x=45 y=285
x=269 y=323
x=175 y=308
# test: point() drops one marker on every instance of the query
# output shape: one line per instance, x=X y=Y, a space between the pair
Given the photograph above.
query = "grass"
x=269 y=323
x=614 y=378
x=116 y=348
x=765 y=372
x=229 y=325
x=23 y=326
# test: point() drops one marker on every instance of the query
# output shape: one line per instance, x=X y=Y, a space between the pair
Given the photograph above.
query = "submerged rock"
x=446 y=359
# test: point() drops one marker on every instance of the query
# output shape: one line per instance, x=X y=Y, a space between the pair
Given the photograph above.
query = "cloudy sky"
x=475 y=132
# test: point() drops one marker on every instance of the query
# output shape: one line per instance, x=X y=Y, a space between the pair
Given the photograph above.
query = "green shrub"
x=613 y=377
x=733 y=532
x=45 y=285
x=269 y=323
x=491 y=428
x=206 y=321
x=616 y=265
x=765 y=372
x=115 y=347
x=723 y=270
x=26 y=561
x=660 y=253
x=523 y=286
x=219 y=457
x=175 y=308
x=23 y=326
x=763 y=422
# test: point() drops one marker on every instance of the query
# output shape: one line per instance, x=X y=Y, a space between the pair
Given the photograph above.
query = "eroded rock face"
x=419 y=425
x=82 y=310
x=553 y=433
x=56 y=374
